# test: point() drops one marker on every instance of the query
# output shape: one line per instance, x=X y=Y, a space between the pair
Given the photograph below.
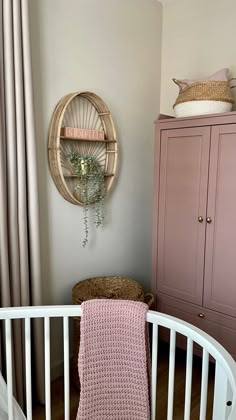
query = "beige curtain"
x=20 y=282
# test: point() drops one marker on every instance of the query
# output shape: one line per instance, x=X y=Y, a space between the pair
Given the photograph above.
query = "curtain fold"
x=20 y=273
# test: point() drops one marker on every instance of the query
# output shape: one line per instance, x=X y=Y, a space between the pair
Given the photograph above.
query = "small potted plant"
x=91 y=186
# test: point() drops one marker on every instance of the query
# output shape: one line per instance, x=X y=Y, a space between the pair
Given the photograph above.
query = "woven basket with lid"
x=114 y=287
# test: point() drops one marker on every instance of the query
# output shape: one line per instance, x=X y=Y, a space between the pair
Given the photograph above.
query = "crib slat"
x=204 y=384
x=171 y=375
x=188 y=383
x=154 y=370
x=220 y=394
x=66 y=367
x=9 y=369
x=229 y=397
x=47 y=367
x=28 y=368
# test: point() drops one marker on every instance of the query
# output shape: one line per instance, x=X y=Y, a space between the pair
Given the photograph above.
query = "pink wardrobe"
x=194 y=222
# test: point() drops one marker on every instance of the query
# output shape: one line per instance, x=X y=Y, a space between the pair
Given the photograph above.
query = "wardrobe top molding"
x=168 y=122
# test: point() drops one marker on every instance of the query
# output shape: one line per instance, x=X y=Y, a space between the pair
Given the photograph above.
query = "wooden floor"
x=57 y=396
x=57 y=391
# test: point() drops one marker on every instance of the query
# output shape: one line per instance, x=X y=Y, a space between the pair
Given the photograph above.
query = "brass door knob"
x=200 y=219
x=208 y=220
x=201 y=315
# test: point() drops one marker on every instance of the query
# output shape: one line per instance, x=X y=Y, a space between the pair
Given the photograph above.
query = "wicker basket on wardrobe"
x=206 y=97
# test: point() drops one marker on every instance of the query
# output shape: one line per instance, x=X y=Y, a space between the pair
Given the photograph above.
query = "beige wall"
x=198 y=39
x=112 y=48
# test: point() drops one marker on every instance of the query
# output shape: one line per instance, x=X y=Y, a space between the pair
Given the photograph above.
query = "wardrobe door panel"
x=184 y=162
x=220 y=268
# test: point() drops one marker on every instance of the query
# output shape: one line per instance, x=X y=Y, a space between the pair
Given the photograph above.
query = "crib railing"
x=224 y=402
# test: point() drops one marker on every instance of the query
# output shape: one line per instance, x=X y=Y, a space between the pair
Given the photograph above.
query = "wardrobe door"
x=184 y=162
x=220 y=268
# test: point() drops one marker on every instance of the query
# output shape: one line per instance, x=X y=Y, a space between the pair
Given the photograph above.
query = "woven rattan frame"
x=54 y=142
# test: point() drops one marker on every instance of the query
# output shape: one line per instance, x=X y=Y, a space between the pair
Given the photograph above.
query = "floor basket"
x=102 y=288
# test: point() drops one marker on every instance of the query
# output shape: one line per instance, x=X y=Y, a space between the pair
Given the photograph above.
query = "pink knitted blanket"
x=113 y=361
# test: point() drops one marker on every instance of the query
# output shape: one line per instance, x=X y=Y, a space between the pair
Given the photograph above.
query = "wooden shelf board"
x=75 y=176
x=93 y=140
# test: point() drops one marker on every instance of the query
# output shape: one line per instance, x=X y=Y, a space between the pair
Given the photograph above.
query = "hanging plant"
x=91 y=185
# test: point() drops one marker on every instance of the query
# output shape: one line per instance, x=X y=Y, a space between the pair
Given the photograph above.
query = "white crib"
x=224 y=404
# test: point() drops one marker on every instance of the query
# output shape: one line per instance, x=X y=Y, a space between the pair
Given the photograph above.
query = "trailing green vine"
x=91 y=184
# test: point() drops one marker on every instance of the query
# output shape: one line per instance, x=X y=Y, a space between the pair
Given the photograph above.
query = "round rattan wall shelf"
x=88 y=118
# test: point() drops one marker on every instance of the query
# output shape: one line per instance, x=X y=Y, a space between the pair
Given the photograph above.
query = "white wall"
x=112 y=48
x=198 y=39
